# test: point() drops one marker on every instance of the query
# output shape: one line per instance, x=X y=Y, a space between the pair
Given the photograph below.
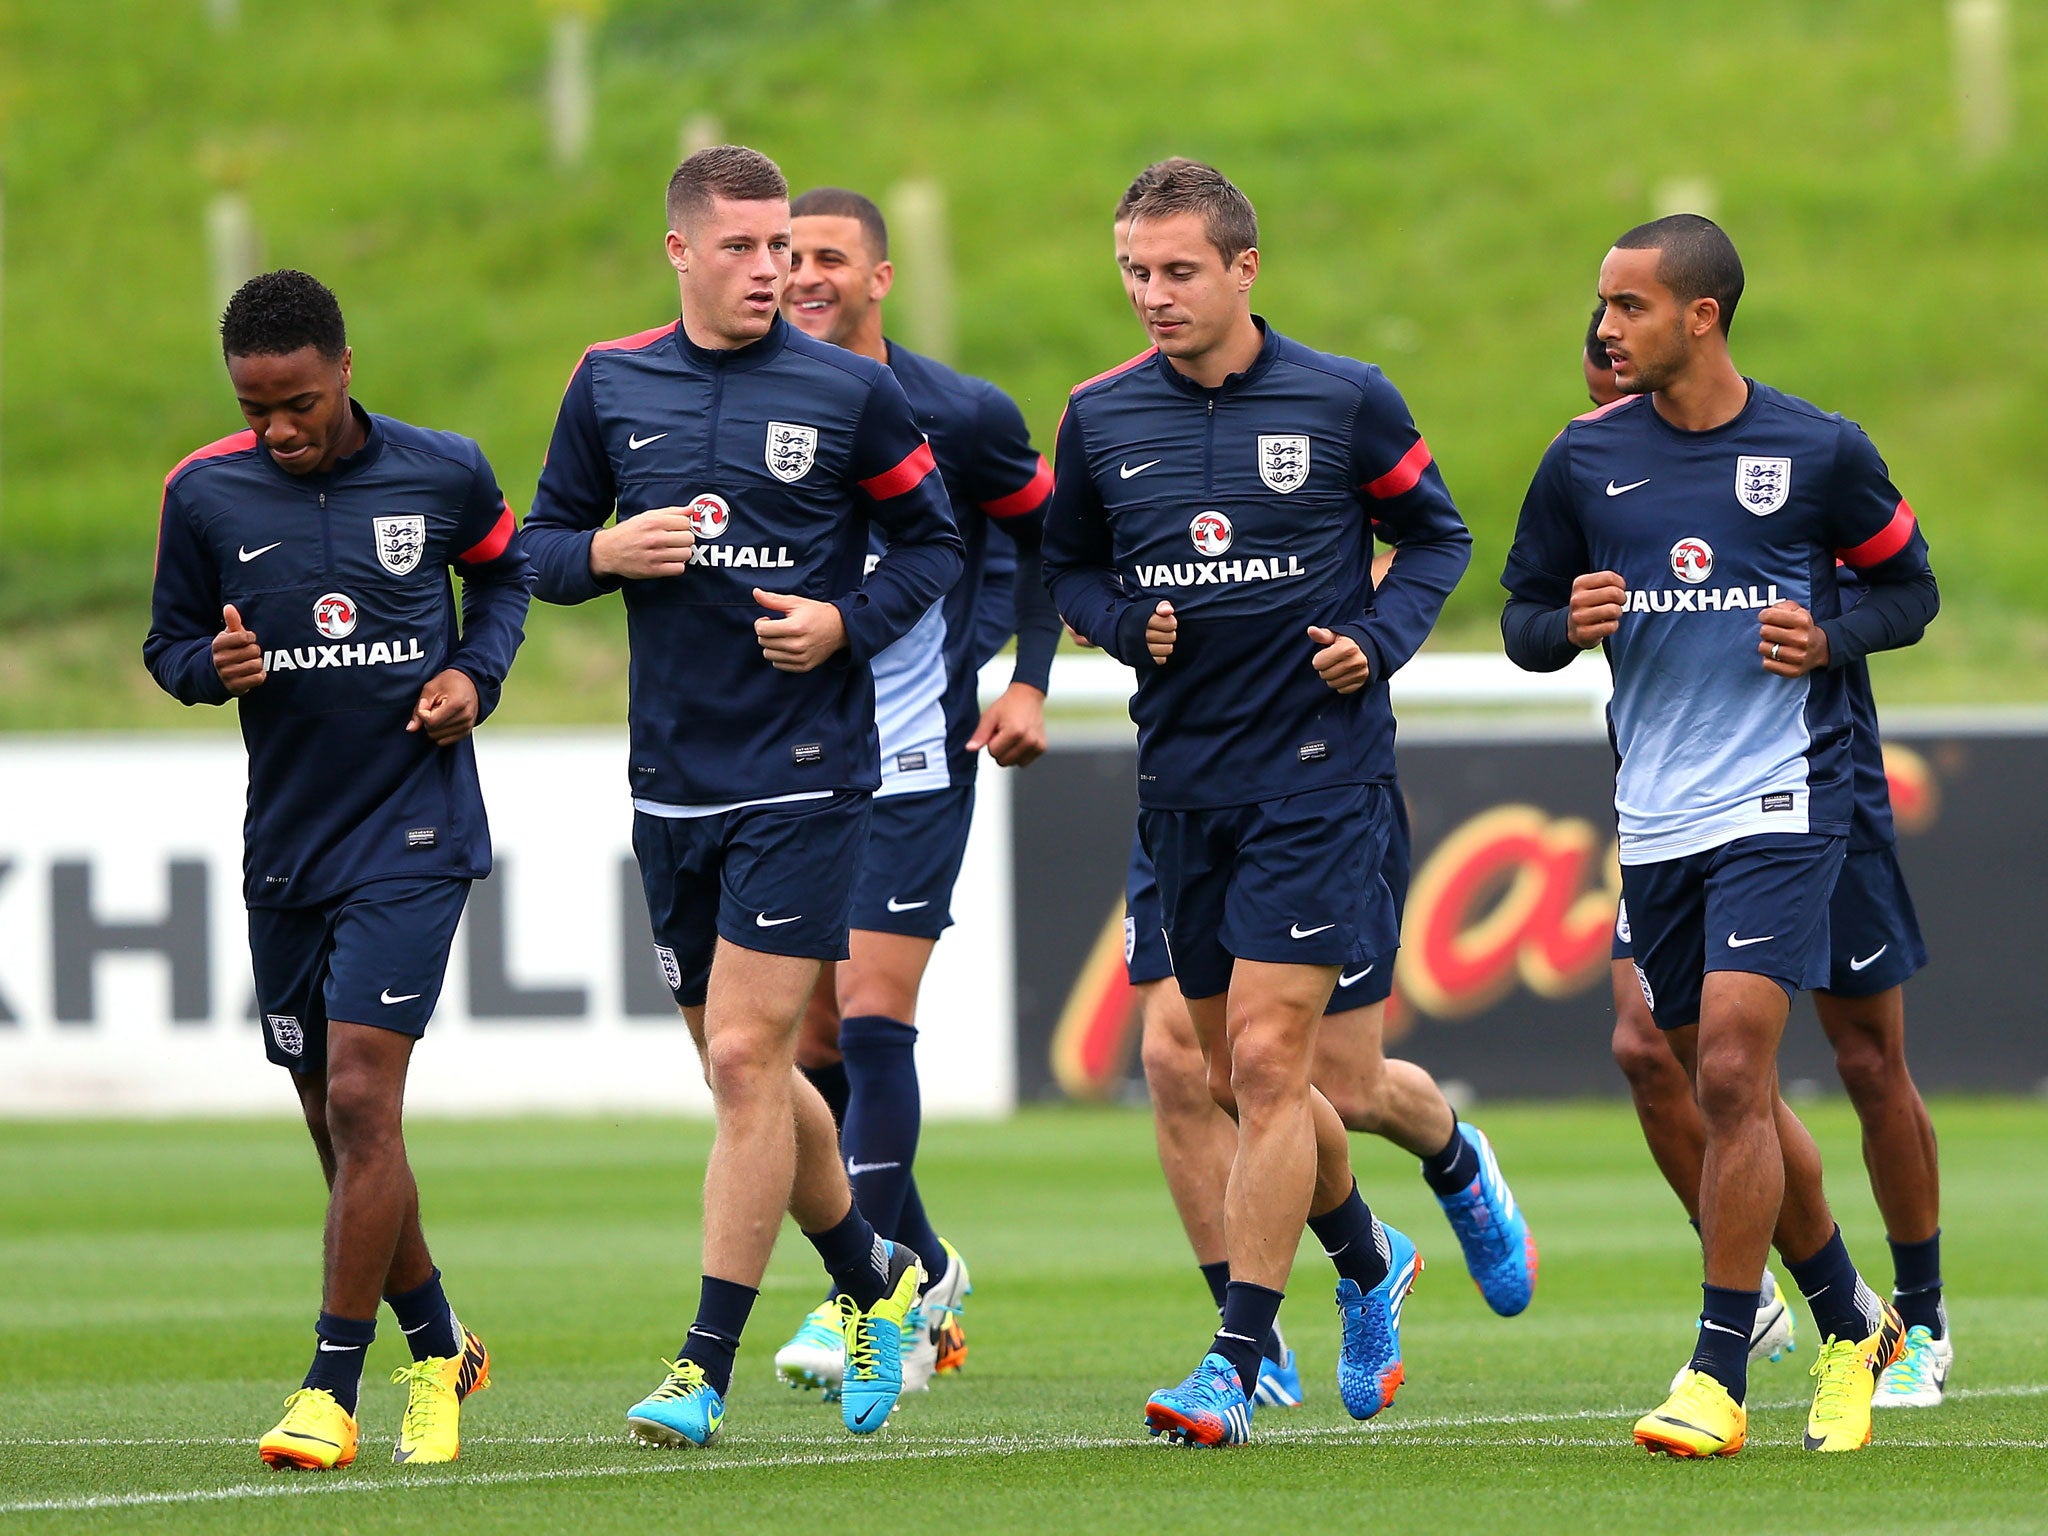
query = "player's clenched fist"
x=1341 y=661
x=236 y=655
x=1790 y=643
x=655 y=543
x=1598 y=599
x=1161 y=630
x=803 y=633
x=447 y=708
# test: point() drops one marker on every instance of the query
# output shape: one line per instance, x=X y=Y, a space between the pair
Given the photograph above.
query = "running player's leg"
x=817 y=1043
x=1195 y=1137
x=878 y=986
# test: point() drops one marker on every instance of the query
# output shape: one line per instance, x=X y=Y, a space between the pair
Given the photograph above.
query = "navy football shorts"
x=374 y=955
x=1298 y=880
x=1758 y=904
x=773 y=878
x=1364 y=980
x=1874 y=941
x=1874 y=933
x=915 y=845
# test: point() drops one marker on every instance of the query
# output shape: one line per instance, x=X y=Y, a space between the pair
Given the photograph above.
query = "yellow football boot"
x=1699 y=1418
x=316 y=1434
x=1848 y=1370
x=435 y=1387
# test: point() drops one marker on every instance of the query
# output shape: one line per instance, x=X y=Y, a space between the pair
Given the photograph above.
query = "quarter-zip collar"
x=1268 y=350
x=344 y=467
x=755 y=353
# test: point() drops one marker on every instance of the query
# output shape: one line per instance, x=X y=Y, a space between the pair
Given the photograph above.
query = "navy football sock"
x=1452 y=1170
x=1722 y=1351
x=830 y=1081
x=1273 y=1347
x=714 y=1338
x=427 y=1320
x=1843 y=1306
x=1248 y=1314
x=883 y=1112
x=852 y=1251
x=914 y=1231
x=1352 y=1241
x=1916 y=1284
x=338 y=1361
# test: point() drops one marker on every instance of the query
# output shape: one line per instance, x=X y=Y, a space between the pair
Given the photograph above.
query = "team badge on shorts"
x=671 y=972
x=1621 y=923
x=400 y=542
x=1692 y=560
x=1762 y=485
x=1130 y=938
x=1211 y=532
x=285 y=1032
x=792 y=449
x=1283 y=461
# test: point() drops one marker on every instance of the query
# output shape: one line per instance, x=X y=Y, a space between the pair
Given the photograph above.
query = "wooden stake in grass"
x=569 y=94
x=1983 y=77
x=917 y=215
x=233 y=244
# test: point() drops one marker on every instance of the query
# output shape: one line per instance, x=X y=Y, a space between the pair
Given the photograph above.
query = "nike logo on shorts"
x=1623 y=490
x=642 y=442
x=1299 y=932
x=1866 y=963
x=1345 y=981
x=1124 y=471
x=763 y=920
x=387 y=999
x=904 y=906
x=250 y=554
x=1762 y=938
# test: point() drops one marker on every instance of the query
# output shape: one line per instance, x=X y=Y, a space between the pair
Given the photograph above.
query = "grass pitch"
x=158 y=1284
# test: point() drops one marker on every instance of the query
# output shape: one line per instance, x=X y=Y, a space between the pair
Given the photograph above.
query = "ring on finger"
x=1774 y=652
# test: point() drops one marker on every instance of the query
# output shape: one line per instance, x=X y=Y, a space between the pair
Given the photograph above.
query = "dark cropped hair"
x=1227 y=216
x=1696 y=259
x=838 y=203
x=730 y=171
x=1146 y=180
x=1596 y=349
x=280 y=312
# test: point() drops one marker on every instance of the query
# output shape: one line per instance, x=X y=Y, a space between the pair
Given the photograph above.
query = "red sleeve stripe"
x=1601 y=410
x=492 y=544
x=238 y=442
x=1029 y=499
x=1883 y=544
x=1404 y=476
x=1109 y=373
x=907 y=476
x=624 y=343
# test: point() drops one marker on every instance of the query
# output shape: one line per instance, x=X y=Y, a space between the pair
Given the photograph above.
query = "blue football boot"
x=1369 y=1369
x=1499 y=1250
x=874 y=1345
x=1209 y=1408
x=1279 y=1380
x=684 y=1409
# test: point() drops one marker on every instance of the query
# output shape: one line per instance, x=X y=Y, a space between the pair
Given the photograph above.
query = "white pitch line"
x=996 y=1445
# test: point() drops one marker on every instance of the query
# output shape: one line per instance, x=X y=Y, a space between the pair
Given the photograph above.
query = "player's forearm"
x=1037 y=621
x=1410 y=600
x=1892 y=615
x=909 y=578
x=1537 y=636
x=561 y=561
x=494 y=603
x=183 y=668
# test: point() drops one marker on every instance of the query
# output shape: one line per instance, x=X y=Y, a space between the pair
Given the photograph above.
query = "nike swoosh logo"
x=409 y=1332
x=642 y=442
x=250 y=554
x=387 y=999
x=1299 y=932
x=855 y=1170
x=401 y=1457
x=336 y=1349
x=904 y=906
x=316 y=1439
x=1345 y=981
x=1762 y=938
x=763 y=920
x=1665 y=1418
x=1125 y=470
x=1864 y=965
x=1623 y=490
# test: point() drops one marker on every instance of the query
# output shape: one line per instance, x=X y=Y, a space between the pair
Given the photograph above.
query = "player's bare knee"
x=1644 y=1057
x=740 y=1070
x=361 y=1110
x=1735 y=1085
x=1265 y=1072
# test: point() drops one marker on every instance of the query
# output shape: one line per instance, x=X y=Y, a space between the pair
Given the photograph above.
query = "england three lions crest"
x=1283 y=462
x=400 y=542
x=1762 y=484
x=792 y=449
